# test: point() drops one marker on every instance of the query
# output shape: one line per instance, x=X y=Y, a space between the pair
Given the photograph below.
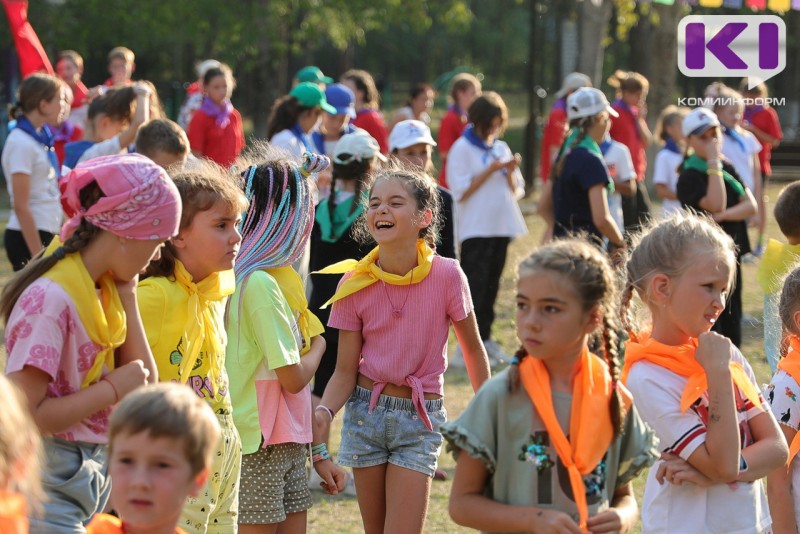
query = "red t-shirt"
x=372 y=121
x=79 y=93
x=766 y=120
x=625 y=130
x=451 y=128
x=61 y=141
x=221 y=145
x=555 y=129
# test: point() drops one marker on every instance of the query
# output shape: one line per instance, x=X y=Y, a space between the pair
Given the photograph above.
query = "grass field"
x=341 y=514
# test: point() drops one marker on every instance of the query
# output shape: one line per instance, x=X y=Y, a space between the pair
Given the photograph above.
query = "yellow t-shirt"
x=163 y=305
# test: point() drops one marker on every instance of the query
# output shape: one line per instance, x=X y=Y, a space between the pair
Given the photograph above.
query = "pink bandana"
x=140 y=202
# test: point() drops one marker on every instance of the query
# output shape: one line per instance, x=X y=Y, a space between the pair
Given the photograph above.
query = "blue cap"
x=342 y=98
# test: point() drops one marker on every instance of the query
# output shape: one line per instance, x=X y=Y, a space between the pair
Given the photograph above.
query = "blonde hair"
x=669 y=115
x=169 y=410
x=20 y=446
x=121 y=52
x=666 y=248
x=591 y=276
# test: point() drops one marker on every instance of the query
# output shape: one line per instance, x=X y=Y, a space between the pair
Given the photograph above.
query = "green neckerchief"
x=589 y=144
x=342 y=218
x=697 y=163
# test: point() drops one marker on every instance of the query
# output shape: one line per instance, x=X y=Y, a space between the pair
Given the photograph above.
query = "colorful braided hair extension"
x=278 y=223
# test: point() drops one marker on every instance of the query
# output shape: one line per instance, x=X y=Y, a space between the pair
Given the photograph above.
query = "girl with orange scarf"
x=694 y=387
x=552 y=443
x=783 y=484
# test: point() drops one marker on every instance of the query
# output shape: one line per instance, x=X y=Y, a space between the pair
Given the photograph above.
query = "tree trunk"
x=593 y=19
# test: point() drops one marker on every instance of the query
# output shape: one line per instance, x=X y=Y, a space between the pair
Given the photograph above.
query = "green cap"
x=312 y=74
x=311 y=95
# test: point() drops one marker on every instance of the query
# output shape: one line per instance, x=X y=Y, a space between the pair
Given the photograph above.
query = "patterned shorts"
x=274 y=483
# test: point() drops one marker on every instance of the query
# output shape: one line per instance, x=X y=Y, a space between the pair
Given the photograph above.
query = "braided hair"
x=584 y=124
x=592 y=278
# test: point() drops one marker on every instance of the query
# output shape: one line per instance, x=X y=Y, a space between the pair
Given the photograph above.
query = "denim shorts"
x=392 y=433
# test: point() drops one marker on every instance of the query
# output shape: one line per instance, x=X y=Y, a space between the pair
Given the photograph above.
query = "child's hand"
x=554 y=522
x=713 y=351
x=607 y=521
x=712 y=149
x=142 y=89
x=676 y=470
x=333 y=476
x=128 y=377
x=512 y=164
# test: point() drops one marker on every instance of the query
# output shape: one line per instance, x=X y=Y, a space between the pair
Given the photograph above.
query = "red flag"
x=32 y=57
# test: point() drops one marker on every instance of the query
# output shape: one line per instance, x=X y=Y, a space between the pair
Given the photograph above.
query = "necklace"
x=396 y=312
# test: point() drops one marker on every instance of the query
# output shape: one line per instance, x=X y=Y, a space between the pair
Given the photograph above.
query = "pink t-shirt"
x=410 y=350
x=45 y=332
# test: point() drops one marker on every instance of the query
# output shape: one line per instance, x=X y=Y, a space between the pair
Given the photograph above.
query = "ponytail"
x=513 y=370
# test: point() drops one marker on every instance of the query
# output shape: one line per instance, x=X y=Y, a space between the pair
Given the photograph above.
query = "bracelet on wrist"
x=330 y=412
x=113 y=387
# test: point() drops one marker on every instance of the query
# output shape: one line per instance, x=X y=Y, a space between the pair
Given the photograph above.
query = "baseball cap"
x=698 y=121
x=312 y=74
x=409 y=133
x=310 y=95
x=586 y=102
x=342 y=98
x=356 y=146
x=572 y=81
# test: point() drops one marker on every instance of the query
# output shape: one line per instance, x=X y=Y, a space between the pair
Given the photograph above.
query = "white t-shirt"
x=739 y=508
x=620 y=167
x=286 y=140
x=492 y=210
x=742 y=160
x=24 y=154
x=782 y=394
x=108 y=147
x=665 y=171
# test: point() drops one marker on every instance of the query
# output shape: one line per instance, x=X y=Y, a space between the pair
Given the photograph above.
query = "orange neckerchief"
x=13 y=516
x=680 y=360
x=590 y=428
x=791 y=365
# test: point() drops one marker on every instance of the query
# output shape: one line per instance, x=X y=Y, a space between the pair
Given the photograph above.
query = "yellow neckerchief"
x=199 y=327
x=103 y=318
x=366 y=272
x=791 y=365
x=590 y=427
x=680 y=360
x=294 y=292
x=777 y=260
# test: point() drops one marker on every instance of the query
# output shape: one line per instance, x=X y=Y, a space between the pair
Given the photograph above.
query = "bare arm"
x=601 y=217
x=779 y=493
x=664 y=192
x=479 y=179
x=140 y=116
x=745 y=209
x=474 y=352
x=545 y=206
x=626 y=187
x=622 y=515
x=343 y=381
x=769 y=452
x=136 y=346
x=21 y=184
x=295 y=377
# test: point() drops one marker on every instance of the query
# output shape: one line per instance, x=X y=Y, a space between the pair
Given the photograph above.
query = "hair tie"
x=515 y=360
x=314 y=163
x=60 y=253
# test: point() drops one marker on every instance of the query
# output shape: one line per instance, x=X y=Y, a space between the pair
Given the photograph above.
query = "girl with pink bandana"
x=74 y=336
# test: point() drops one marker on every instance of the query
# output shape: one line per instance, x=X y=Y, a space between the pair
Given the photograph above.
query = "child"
x=618 y=161
x=464 y=89
x=195 y=93
x=555 y=128
x=411 y=143
x=163 y=426
x=183 y=303
x=484 y=177
x=419 y=103
x=669 y=158
x=368 y=105
x=696 y=390
x=312 y=74
x=333 y=238
x=707 y=184
x=776 y=263
x=31 y=168
x=783 y=483
x=393 y=310
x=274 y=348
x=629 y=127
x=69 y=67
x=761 y=120
x=73 y=334
x=20 y=454
x=121 y=64
x=331 y=129
x=164 y=142
x=575 y=199
x=294 y=116
x=215 y=131
x=516 y=469
x=65 y=131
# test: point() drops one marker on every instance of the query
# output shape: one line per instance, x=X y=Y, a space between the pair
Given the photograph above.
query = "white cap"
x=356 y=146
x=409 y=133
x=697 y=121
x=573 y=80
x=205 y=66
x=587 y=102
